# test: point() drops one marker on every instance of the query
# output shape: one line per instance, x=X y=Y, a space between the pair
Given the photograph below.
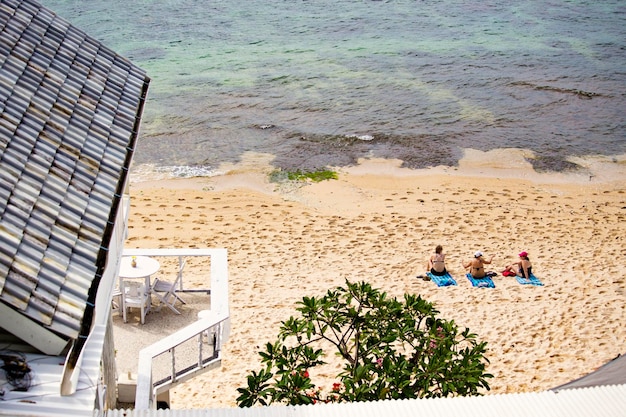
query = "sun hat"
x=523 y=254
x=478 y=254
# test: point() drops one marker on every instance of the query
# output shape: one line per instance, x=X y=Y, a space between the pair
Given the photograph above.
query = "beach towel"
x=532 y=281
x=485 y=282
x=442 y=280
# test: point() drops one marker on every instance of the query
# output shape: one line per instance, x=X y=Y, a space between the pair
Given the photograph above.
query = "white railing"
x=215 y=327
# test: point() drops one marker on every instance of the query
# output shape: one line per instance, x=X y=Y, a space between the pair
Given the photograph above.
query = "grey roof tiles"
x=69 y=113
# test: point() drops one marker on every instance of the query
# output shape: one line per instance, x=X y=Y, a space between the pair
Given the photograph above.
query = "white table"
x=144 y=268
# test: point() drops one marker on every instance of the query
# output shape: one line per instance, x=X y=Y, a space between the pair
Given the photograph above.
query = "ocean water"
x=319 y=82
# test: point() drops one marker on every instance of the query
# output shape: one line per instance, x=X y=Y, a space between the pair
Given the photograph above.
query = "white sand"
x=380 y=223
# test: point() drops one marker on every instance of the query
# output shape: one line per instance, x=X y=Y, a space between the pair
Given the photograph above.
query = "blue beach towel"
x=442 y=280
x=532 y=281
x=485 y=282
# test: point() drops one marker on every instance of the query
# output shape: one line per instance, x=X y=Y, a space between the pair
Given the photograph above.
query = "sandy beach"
x=380 y=223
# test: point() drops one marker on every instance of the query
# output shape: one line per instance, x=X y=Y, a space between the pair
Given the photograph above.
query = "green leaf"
x=391 y=349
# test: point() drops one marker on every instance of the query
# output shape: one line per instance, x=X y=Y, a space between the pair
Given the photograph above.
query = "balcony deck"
x=170 y=348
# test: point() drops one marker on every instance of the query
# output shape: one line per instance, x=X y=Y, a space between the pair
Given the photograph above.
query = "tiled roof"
x=70 y=112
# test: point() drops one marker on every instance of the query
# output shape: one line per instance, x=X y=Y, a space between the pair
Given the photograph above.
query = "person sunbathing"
x=522 y=268
x=436 y=263
x=476 y=266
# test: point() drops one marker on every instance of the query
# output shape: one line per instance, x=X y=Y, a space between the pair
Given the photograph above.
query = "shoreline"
x=379 y=223
x=498 y=163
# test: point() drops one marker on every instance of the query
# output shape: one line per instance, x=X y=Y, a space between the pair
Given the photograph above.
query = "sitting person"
x=476 y=266
x=522 y=268
x=436 y=263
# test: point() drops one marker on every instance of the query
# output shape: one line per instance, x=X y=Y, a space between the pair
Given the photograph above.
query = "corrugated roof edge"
x=605 y=401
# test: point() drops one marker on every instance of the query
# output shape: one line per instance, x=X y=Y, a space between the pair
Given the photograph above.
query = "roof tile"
x=69 y=107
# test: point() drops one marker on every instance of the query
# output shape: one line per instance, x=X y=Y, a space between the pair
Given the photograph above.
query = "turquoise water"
x=319 y=83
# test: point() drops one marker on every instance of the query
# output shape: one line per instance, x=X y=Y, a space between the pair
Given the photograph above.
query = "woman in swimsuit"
x=476 y=265
x=523 y=268
x=436 y=263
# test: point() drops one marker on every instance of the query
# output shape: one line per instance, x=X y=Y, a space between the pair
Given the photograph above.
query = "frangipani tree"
x=390 y=349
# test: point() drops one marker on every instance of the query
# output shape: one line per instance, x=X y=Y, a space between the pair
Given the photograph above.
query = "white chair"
x=116 y=301
x=135 y=295
x=165 y=291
